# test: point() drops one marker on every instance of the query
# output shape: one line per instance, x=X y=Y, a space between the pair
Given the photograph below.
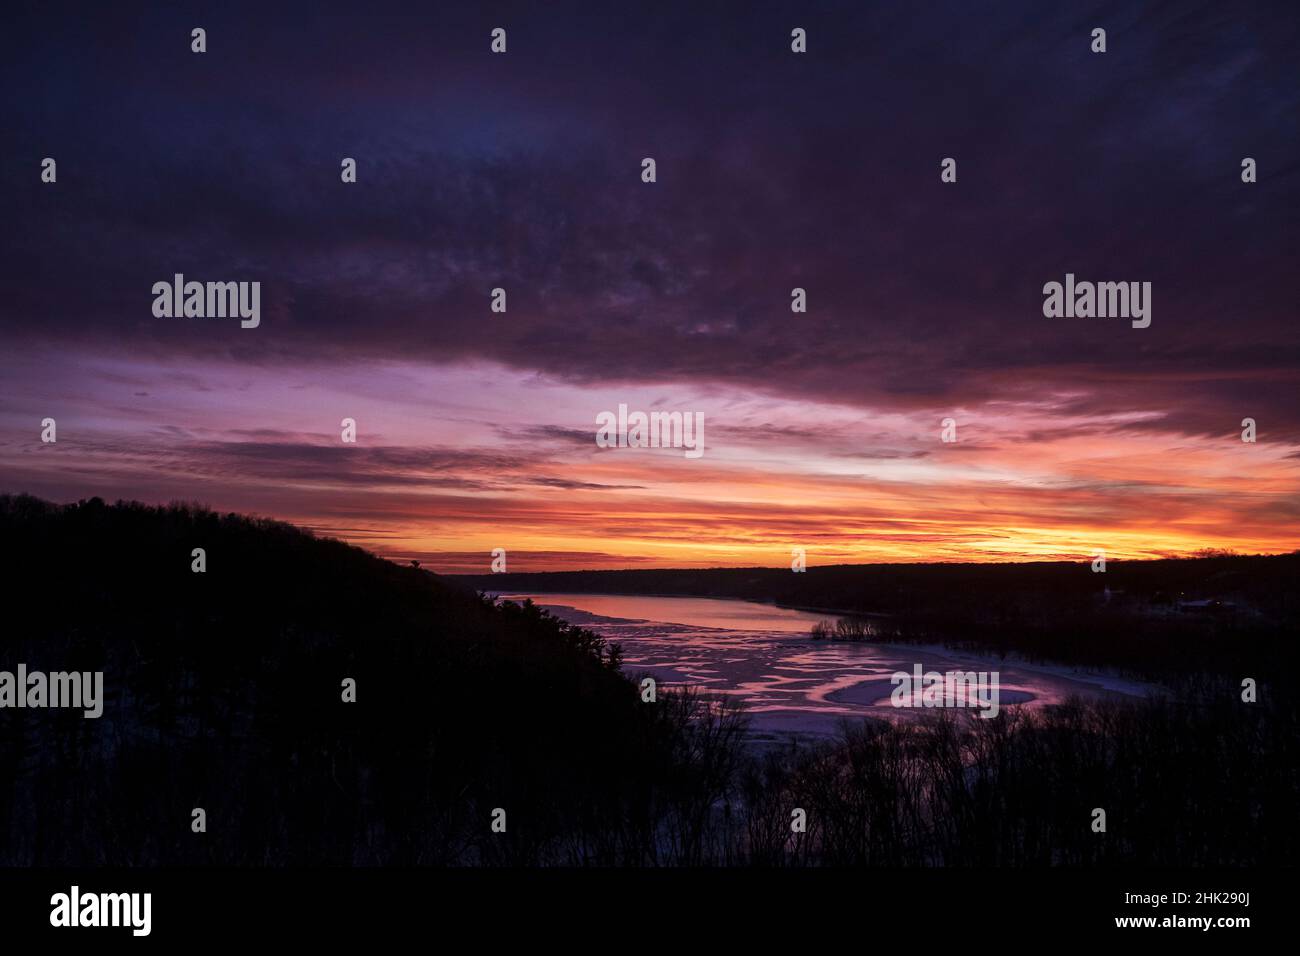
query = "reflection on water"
x=789 y=683
x=688 y=612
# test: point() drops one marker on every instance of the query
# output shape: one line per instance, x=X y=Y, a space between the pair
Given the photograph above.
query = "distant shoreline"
x=701 y=597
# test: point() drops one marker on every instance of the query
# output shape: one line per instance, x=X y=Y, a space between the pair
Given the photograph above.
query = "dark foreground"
x=222 y=692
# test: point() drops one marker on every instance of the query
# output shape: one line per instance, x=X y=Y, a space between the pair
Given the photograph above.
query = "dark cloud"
x=774 y=171
x=573 y=485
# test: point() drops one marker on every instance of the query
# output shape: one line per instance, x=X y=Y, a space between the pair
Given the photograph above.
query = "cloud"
x=775 y=171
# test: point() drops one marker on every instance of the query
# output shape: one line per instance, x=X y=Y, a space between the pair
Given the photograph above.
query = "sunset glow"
x=476 y=428
x=459 y=460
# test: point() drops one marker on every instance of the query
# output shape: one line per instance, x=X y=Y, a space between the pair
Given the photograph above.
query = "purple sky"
x=775 y=170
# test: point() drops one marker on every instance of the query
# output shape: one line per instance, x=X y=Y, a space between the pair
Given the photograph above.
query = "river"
x=790 y=684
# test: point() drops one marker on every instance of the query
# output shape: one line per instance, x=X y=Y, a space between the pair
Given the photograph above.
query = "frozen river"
x=789 y=683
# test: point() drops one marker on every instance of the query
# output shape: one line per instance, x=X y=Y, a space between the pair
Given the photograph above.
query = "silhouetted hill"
x=1148 y=617
x=224 y=691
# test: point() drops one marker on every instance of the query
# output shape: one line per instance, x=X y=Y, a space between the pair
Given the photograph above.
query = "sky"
x=476 y=430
